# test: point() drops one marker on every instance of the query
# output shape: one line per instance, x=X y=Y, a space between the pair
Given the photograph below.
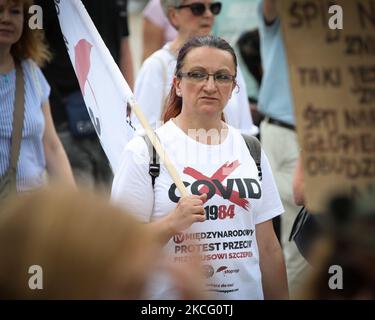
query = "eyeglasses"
x=200 y=76
x=199 y=8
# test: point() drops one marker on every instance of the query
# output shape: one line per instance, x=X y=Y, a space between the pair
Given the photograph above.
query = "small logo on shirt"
x=178 y=238
x=225 y=270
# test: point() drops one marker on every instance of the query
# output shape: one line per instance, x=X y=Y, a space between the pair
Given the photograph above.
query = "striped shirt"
x=31 y=161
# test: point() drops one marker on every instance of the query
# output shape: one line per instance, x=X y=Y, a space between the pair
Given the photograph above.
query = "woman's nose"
x=4 y=16
x=208 y=13
x=210 y=83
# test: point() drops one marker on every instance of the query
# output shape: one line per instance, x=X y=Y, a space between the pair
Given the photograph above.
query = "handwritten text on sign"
x=332 y=74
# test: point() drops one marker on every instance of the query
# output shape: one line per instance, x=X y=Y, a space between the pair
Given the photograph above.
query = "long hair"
x=174 y=102
x=32 y=43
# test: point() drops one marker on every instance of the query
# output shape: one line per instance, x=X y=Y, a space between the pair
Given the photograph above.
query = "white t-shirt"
x=237 y=201
x=154 y=82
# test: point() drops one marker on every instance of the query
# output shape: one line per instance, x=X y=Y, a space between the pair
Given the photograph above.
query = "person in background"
x=90 y=164
x=41 y=151
x=157 y=30
x=237 y=17
x=306 y=227
x=299 y=184
x=216 y=169
x=344 y=257
x=190 y=18
x=277 y=131
x=82 y=247
x=249 y=49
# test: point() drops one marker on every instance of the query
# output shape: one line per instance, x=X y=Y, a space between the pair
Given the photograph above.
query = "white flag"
x=103 y=86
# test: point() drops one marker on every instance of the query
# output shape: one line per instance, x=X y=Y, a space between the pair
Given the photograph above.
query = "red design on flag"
x=82 y=65
x=221 y=174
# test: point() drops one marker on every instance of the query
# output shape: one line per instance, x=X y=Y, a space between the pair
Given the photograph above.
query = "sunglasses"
x=199 y=8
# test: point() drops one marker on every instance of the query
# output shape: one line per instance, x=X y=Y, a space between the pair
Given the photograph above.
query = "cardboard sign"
x=331 y=57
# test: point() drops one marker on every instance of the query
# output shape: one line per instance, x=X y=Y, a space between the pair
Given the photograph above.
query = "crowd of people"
x=243 y=196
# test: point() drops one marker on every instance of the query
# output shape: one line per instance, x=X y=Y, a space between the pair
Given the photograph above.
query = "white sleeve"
x=132 y=186
x=271 y=205
x=238 y=110
x=149 y=91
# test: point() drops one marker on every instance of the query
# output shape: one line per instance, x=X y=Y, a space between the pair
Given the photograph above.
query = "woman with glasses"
x=190 y=18
x=226 y=221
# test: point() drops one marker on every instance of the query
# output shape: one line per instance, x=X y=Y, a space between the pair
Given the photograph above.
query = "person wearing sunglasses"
x=190 y=18
x=199 y=8
x=226 y=221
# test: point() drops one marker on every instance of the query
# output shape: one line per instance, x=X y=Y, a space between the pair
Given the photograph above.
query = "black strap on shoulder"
x=252 y=144
x=154 y=164
x=255 y=150
x=298 y=223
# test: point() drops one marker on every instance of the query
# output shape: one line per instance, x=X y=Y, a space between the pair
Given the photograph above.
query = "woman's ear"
x=234 y=86
x=177 y=85
x=172 y=17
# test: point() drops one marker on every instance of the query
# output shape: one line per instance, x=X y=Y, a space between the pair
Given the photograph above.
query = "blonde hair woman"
x=40 y=150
